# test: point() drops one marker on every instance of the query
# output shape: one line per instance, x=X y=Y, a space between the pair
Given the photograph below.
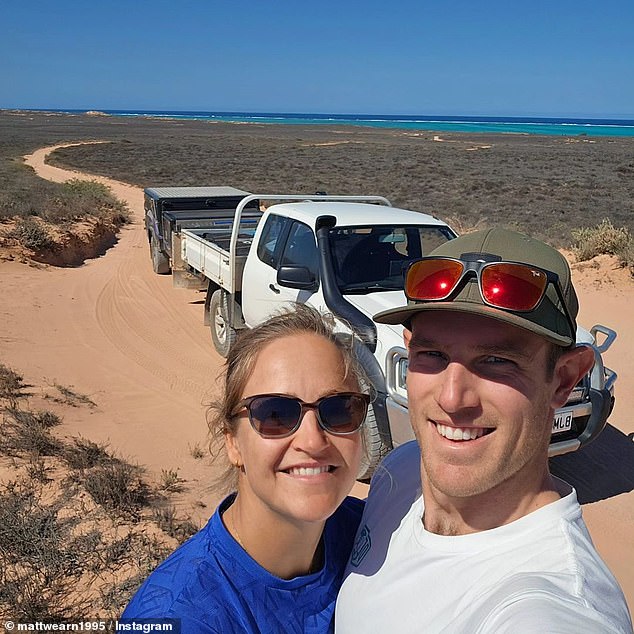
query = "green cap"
x=548 y=319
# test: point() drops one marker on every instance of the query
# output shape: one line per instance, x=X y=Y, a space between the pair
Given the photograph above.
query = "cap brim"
x=404 y=314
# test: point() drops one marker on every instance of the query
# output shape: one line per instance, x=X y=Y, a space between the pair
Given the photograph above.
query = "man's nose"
x=457 y=389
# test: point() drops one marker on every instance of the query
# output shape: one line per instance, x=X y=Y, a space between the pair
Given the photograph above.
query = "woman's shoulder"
x=185 y=575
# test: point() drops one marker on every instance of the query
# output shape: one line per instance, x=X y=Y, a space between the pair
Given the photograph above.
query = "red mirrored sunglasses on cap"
x=511 y=286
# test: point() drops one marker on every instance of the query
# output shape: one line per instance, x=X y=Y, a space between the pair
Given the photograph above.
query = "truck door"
x=295 y=245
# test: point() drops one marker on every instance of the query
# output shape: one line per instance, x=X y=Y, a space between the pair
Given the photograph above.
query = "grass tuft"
x=71 y=397
x=196 y=452
x=604 y=238
x=170 y=481
x=168 y=521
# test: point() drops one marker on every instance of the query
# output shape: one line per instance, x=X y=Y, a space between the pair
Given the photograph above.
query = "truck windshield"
x=375 y=258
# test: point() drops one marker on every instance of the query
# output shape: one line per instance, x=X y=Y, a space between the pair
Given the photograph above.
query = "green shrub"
x=32 y=234
x=602 y=238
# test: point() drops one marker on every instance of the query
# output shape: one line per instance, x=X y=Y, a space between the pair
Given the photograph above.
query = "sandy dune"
x=121 y=334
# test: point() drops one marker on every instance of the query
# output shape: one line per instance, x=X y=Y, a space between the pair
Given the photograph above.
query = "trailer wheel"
x=160 y=262
x=375 y=445
x=222 y=333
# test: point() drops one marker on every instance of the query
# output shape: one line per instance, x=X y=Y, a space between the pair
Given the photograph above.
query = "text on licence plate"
x=562 y=422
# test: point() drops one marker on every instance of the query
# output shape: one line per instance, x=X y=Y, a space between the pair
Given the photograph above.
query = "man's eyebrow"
x=517 y=349
x=420 y=341
x=501 y=349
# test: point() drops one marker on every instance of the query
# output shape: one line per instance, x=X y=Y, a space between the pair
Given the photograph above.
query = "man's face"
x=481 y=404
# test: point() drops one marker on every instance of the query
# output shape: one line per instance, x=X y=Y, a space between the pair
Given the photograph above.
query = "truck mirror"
x=297 y=277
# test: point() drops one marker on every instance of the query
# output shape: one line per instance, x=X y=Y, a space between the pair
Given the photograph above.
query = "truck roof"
x=350 y=214
x=193 y=192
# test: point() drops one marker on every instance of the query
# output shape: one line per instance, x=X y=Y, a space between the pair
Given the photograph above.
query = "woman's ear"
x=233 y=450
x=569 y=369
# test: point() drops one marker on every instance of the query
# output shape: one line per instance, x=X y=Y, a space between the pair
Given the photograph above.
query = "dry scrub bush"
x=118 y=487
x=50 y=570
x=12 y=386
x=40 y=560
x=23 y=432
x=604 y=238
x=81 y=453
x=62 y=555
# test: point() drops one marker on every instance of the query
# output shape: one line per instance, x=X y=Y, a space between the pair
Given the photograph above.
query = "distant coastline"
x=478 y=124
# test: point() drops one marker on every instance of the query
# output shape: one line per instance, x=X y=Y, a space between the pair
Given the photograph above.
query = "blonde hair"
x=299 y=319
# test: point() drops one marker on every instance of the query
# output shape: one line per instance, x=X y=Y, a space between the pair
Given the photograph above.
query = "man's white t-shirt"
x=540 y=573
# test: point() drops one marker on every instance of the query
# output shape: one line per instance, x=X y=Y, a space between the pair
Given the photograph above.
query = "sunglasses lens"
x=432 y=279
x=343 y=413
x=513 y=286
x=274 y=416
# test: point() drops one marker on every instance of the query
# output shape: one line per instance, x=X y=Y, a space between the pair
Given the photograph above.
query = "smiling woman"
x=271 y=558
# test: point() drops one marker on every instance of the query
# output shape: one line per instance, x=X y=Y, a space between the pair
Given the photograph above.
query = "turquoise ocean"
x=513 y=125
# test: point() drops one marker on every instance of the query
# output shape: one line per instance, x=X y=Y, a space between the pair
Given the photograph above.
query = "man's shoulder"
x=537 y=602
x=399 y=471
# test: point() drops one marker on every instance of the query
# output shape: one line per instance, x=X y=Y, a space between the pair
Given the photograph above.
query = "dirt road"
x=121 y=334
x=117 y=332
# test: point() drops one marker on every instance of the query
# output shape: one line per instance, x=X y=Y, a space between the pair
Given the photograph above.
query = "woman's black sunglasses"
x=279 y=415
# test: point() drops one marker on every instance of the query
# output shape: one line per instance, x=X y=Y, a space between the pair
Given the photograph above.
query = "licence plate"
x=562 y=422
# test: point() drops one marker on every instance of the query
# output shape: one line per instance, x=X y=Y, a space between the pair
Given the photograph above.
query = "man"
x=470 y=533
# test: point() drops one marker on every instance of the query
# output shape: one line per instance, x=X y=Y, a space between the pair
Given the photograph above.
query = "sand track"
x=117 y=332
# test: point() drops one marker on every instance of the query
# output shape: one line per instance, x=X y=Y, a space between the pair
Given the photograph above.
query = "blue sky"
x=488 y=57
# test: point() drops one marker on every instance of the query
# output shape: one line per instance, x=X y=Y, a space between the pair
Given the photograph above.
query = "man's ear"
x=407 y=337
x=569 y=370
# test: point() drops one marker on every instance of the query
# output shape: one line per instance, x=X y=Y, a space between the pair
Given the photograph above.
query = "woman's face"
x=302 y=478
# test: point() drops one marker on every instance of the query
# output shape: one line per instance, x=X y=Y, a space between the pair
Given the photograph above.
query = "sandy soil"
x=117 y=332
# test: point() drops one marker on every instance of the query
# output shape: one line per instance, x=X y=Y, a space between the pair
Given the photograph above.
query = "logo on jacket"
x=362 y=545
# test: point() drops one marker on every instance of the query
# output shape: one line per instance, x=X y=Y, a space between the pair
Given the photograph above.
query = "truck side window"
x=269 y=239
x=301 y=248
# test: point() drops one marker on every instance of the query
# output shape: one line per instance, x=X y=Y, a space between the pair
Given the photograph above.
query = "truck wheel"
x=222 y=333
x=160 y=262
x=375 y=445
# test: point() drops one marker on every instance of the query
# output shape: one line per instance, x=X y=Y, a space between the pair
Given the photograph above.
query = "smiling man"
x=466 y=531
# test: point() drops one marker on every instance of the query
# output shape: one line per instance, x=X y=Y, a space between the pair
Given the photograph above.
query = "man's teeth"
x=308 y=471
x=460 y=433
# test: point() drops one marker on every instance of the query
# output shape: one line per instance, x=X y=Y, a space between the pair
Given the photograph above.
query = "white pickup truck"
x=342 y=254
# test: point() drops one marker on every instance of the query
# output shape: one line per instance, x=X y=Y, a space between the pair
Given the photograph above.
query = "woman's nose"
x=310 y=437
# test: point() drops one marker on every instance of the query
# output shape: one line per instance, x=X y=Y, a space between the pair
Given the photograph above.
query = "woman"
x=271 y=558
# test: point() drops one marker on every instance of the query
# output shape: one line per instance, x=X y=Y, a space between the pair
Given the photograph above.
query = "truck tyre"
x=222 y=333
x=375 y=445
x=160 y=262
